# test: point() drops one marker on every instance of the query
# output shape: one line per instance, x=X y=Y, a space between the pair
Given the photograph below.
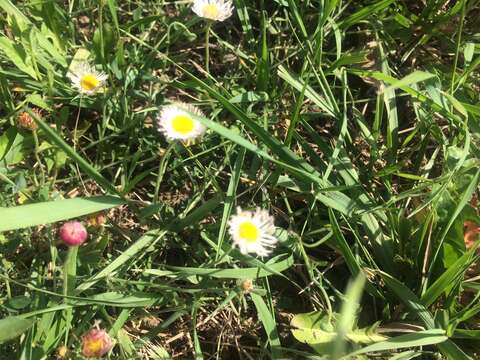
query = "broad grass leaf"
x=51 y=47
x=410 y=79
x=239 y=273
x=347 y=319
x=420 y=338
x=6 y=141
x=269 y=325
x=13 y=147
x=13 y=326
x=112 y=6
x=38 y=100
x=23 y=216
x=17 y=56
x=317 y=327
x=12 y=10
x=450 y=277
x=364 y=13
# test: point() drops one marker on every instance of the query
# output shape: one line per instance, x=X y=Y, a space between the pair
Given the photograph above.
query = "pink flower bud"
x=96 y=343
x=73 y=233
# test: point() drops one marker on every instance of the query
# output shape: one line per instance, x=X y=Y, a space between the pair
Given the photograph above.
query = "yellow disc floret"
x=183 y=124
x=210 y=11
x=94 y=346
x=248 y=231
x=89 y=82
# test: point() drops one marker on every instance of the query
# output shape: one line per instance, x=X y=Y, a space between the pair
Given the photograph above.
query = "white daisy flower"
x=177 y=123
x=86 y=79
x=218 y=10
x=252 y=231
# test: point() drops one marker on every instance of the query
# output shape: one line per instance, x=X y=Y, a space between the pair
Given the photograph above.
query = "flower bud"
x=96 y=343
x=73 y=233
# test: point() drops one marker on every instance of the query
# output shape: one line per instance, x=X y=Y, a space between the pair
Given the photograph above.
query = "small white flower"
x=177 y=123
x=86 y=79
x=218 y=10
x=252 y=231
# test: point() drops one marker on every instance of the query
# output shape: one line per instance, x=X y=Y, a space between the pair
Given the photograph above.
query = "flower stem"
x=161 y=170
x=207 y=46
x=37 y=151
x=69 y=276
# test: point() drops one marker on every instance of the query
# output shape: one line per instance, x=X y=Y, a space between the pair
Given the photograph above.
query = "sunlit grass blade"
x=420 y=338
x=269 y=324
x=52 y=211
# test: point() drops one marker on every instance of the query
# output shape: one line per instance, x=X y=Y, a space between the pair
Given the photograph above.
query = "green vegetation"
x=354 y=123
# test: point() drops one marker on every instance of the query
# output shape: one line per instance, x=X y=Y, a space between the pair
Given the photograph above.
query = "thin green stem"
x=37 y=157
x=76 y=124
x=207 y=46
x=457 y=51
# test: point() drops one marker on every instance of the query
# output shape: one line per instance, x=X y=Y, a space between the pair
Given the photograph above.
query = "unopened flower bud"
x=73 y=233
x=96 y=343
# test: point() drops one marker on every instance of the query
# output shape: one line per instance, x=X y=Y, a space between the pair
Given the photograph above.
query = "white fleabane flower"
x=86 y=79
x=253 y=232
x=218 y=10
x=177 y=123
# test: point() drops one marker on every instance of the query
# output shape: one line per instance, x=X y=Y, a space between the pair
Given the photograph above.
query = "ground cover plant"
x=239 y=180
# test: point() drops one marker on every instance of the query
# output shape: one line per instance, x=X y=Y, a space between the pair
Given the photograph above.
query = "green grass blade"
x=57 y=140
x=420 y=338
x=364 y=13
x=23 y=216
x=230 y=198
x=465 y=198
x=13 y=326
x=141 y=244
x=449 y=278
x=240 y=273
x=348 y=314
x=269 y=325
x=449 y=348
x=410 y=79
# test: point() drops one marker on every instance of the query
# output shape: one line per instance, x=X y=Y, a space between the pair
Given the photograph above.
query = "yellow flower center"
x=89 y=82
x=210 y=11
x=183 y=124
x=94 y=346
x=248 y=231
